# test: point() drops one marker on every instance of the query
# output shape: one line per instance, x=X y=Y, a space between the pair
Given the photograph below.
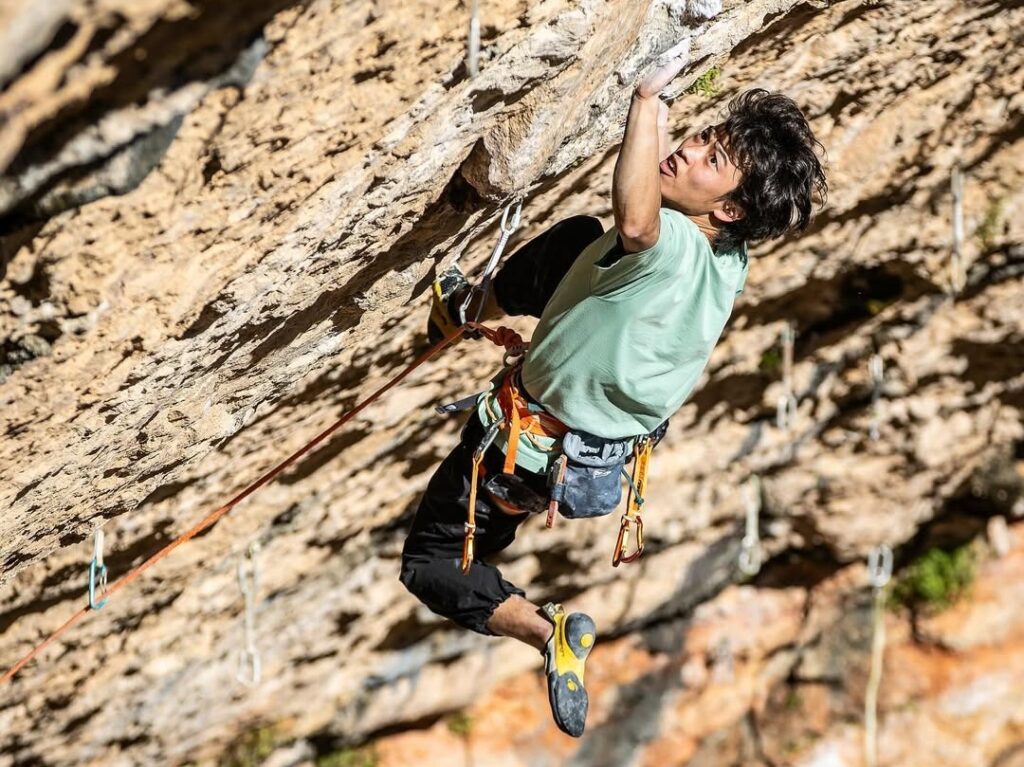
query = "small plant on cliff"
x=989 y=226
x=251 y=748
x=349 y=757
x=935 y=580
x=771 y=361
x=705 y=84
x=461 y=724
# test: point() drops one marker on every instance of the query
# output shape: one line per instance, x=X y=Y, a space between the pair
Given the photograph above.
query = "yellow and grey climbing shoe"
x=447 y=310
x=564 y=657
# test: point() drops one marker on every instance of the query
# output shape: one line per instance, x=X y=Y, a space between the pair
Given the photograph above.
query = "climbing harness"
x=215 y=515
x=249 y=658
x=751 y=556
x=473 y=52
x=583 y=480
x=517 y=417
x=97 y=572
x=786 y=405
x=877 y=368
x=880 y=562
x=957 y=273
x=634 y=504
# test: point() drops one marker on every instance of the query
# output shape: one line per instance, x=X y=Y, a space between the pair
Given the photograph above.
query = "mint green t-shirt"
x=625 y=337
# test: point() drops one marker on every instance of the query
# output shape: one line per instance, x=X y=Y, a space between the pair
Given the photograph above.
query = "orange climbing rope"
x=502 y=337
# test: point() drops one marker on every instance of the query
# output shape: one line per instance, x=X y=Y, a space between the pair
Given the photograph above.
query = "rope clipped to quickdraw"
x=877 y=368
x=751 y=556
x=634 y=504
x=97 y=572
x=249 y=671
x=879 y=573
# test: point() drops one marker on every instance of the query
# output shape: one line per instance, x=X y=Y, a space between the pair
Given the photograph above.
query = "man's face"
x=699 y=173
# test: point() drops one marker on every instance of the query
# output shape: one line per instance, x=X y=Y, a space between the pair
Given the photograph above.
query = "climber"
x=627 y=321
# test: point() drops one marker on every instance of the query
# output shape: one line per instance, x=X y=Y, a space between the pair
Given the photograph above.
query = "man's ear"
x=728 y=212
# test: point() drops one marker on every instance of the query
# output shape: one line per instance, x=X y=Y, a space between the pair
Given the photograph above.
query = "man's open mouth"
x=668 y=165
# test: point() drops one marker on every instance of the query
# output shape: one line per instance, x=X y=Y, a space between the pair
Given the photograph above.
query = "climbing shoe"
x=446 y=311
x=564 y=656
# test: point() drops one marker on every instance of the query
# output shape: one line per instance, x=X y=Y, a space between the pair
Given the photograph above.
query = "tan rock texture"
x=220 y=224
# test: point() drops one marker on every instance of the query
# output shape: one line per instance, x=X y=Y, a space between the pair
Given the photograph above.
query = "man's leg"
x=521 y=619
x=433 y=549
x=528 y=278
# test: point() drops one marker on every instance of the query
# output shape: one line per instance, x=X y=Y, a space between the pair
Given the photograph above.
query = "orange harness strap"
x=515 y=408
x=517 y=417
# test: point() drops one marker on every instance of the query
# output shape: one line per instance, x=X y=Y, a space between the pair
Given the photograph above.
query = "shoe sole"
x=566 y=694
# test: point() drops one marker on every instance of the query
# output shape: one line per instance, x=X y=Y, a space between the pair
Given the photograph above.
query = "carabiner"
x=97 y=572
x=467 y=547
x=620 y=544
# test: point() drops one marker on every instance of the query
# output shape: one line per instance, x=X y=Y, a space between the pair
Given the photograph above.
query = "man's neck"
x=707 y=228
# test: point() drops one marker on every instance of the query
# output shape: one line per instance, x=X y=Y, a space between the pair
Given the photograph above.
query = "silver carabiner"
x=97 y=572
x=510 y=230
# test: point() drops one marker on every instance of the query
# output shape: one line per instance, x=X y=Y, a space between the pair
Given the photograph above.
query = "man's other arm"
x=636 y=183
x=636 y=186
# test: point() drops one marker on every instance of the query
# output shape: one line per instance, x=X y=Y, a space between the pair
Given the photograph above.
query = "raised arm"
x=636 y=185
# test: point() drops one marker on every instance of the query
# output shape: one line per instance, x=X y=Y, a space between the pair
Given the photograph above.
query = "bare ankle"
x=520 y=619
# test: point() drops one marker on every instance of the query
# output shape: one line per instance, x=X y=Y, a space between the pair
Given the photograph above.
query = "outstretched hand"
x=678 y=57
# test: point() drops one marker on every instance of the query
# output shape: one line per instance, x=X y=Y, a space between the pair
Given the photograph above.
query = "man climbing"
x=628 y=320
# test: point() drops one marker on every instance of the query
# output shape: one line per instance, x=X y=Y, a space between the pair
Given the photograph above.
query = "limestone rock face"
x=220 y=223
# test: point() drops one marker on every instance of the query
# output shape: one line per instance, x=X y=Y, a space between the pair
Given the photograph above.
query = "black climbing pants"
x=432 y=554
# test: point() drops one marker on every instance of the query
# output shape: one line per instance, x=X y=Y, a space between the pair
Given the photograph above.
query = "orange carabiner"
x=467 y=547
x=620 y=545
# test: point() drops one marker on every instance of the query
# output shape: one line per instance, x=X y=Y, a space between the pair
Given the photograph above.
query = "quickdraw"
x=634 y=504
x=97 y=572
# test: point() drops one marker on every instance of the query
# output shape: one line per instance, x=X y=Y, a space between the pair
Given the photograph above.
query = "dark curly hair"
x=772 y=144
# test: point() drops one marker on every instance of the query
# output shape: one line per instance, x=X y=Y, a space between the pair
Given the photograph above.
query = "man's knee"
x=582 y=229
x=408 y=576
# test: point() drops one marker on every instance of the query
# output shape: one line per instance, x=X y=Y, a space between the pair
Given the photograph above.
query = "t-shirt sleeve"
x=615 y=272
